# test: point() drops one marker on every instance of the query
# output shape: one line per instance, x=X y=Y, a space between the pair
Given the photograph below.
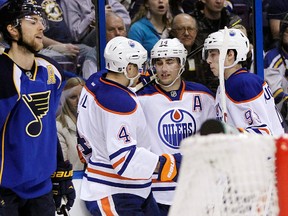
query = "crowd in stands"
x=71 y=41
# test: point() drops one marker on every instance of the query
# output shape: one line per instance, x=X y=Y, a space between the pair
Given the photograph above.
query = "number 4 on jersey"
x=124 y=135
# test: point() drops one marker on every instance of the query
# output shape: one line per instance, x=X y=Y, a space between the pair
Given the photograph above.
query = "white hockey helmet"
x=120 y=51
x=236 y=41
x=172 y=48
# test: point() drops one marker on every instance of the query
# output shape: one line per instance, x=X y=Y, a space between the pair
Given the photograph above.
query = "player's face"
x=167 y=70
x=32 y=31
x=213 y=61
x=72 y=99
x=158 y=7
x=214 y=5
x=114 y=27
x=185 y=30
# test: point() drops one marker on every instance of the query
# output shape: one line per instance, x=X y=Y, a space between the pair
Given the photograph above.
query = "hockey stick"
x=142 y=85
x=222 y=55
x=62 y=209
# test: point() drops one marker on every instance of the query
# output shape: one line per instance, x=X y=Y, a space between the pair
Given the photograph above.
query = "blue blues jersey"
x=28 y=104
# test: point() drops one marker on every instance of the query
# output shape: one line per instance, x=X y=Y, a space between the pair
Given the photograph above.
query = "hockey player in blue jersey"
x=244 y=100
x=111 y=122
x=276 y=70
x=174 y=109
x=30 y=87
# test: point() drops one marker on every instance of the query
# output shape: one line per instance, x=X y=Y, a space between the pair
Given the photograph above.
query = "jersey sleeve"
x=9 y=89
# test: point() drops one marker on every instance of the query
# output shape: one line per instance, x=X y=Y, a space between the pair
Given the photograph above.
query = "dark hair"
x=13 y=10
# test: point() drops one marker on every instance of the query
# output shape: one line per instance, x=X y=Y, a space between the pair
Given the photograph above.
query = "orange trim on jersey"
x=106 y=206
x=118 y=162
x=157 y=181
x=182 y=90
x=110 y=175
x=241 y=71
x=246 y=101
x=265 y=129
x=160 y=91
x=108 y=110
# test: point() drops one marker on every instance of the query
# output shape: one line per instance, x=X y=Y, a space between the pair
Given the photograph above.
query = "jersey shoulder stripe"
x=244 y=86
x=198 y=87
x=111 y=96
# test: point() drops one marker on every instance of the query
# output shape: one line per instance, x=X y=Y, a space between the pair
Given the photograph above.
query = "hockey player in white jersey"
x=244 y=100
x=112 y=124
x=174 y=109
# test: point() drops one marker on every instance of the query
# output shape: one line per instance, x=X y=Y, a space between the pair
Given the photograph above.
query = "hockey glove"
x=169 y=167
x=62 y=186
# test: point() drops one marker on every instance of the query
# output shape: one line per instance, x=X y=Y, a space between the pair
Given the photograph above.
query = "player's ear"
x=231 y=54
x=13 y=31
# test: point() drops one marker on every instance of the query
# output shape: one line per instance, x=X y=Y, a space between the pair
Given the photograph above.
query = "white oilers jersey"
x=250 y=104
x=111 y=122
x=171 y=117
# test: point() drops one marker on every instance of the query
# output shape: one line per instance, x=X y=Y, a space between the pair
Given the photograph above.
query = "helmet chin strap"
x=181 y=70
x=131 y=80
x=230 y=66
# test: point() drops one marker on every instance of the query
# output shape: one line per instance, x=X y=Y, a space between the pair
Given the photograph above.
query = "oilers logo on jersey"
x=175 y=125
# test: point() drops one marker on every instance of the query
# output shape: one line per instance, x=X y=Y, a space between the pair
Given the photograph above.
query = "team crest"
x=174 y=126
x=53 y=10
x=38 y=104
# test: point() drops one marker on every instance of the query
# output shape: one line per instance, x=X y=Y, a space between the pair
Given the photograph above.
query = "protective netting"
x=227 y=175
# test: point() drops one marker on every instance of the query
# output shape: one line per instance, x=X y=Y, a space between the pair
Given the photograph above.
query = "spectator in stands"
x=188 y=5
x=151 y=23
x=80 y=18
x=211 y=15
x=184 y=27
x=58 y=43
x=114 y=27
x=120 y=10
x=66 y=121
x=275 y=13
x=276 y=70
x=176 y=7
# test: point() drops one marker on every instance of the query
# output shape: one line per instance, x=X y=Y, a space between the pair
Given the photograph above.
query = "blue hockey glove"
x=62 y=186
x=169 y=167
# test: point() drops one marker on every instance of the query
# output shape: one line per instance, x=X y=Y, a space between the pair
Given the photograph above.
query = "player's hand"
x=169 y=165
x=62 y=185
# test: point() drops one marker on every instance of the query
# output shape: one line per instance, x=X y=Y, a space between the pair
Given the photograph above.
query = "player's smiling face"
x=167 y=69
x=32 y=31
